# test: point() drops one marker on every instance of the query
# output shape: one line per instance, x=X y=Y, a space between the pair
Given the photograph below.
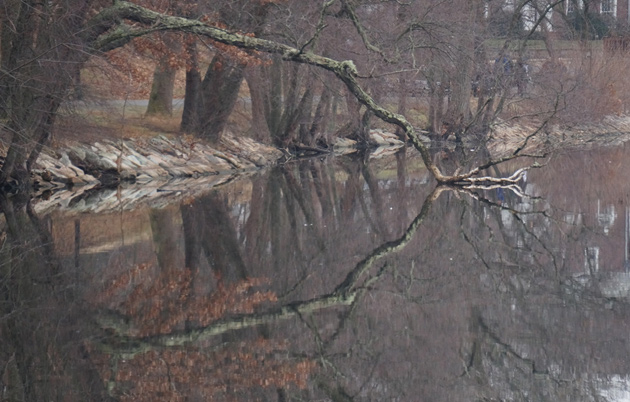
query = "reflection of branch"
x=346 y=294
x=507 y=348
x=516 y=214
x=389 y=247
x=515 y=188
x=470 y=242
x=131 y=345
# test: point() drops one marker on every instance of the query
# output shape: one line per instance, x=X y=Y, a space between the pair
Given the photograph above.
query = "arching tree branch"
x=345 y=70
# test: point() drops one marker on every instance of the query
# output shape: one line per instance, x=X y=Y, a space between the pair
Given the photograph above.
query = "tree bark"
x=219 y=92
x=36 y=76
x=190 y=114
x=161 y=97
x=322 y=110
x=402 y=103
x=259 y=129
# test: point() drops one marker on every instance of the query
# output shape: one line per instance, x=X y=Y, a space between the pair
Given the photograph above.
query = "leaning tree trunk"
x=35 y=88
x=190 y=114
x=355 y=128
x=31 y=123
x=219 y=92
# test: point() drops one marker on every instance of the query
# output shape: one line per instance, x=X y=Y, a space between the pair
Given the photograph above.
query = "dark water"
x=338 y=280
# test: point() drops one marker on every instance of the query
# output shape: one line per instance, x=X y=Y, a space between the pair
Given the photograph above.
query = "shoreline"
x=124 y=174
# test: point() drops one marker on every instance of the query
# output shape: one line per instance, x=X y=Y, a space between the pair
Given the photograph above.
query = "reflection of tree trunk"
x=256 y=230
x=193 y=233
x=353 y=188
x=380 y=227
x=38 y=330
x=221 y=243
x=77 y=242
x=208 y=228
x=345 y=294
x=296 y=190
x=323 y=187
x=280 y=212
x=166 y=235
x=43 y=229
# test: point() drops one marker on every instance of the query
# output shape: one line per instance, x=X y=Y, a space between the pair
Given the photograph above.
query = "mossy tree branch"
x=345 y=70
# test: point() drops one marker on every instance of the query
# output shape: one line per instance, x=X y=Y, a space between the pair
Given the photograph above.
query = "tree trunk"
x=286 y=102
x=437 y=93
x=259 y=129
x=31 y=126
x=322 y=110
x=402 y=104
x=219 y=92
x=304 y=112
x=35 y=88
x=161 y=97
x=190 y=114
x=458 y=113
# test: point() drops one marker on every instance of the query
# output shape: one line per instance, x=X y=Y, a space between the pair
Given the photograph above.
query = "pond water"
x=328 y=280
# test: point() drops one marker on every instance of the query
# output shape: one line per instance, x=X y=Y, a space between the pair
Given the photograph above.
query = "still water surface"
x=337 y=280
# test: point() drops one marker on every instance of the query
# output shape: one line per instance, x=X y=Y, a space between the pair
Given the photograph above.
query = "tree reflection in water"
x=346 y=280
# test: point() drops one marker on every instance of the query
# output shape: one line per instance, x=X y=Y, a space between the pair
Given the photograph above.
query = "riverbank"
x=505 y=137
x=164 y=168
x=142 y=160
x=163 y=158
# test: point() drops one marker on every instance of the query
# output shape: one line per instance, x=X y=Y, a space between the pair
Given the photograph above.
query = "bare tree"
x=439 y=47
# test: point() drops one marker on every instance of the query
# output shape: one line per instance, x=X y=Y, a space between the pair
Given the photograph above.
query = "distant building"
x=602 y=15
